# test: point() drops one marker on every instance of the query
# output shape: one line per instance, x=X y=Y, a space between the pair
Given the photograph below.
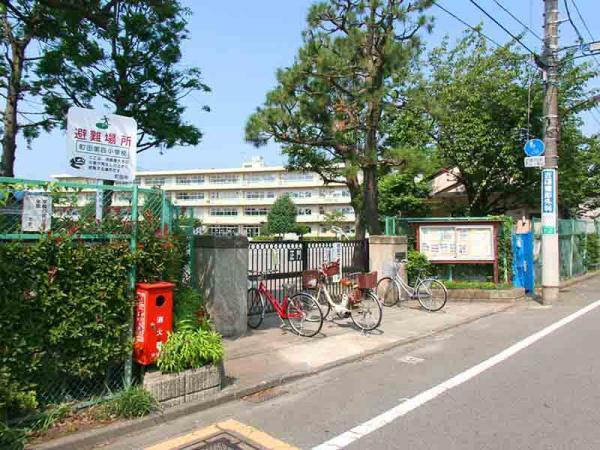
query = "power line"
x=507 y=11
x=579 y=36
x=476 y=30
x=503 y=27
x=585 y=26
x=582 y=21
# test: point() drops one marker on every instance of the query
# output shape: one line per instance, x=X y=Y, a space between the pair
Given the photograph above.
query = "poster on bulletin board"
x=457 y=242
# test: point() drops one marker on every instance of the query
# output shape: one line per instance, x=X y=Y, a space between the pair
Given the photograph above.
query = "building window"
x=340 y=193
x=224 y=195
x=251 y=230
x=295 y=177
x=223 y=230
x=260 y=178
x=224 y=178
x=300 y=194
x=193 y=179
x=258 y=195
x=256 y=211
x=304 y=211
x=155 y=181
x=223 y=211
x=346 y=210
x=122 y=196
x=189 y=195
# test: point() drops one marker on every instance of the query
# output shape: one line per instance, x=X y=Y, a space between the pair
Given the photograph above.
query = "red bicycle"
x=301 y=310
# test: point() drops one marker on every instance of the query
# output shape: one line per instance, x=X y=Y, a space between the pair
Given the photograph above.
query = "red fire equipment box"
x=153 y=320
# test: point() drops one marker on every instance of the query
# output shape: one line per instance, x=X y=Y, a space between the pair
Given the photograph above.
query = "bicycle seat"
x=346 y=282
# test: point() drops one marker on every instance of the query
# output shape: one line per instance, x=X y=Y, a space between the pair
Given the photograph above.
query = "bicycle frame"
x=280 y=308
x=403 y=285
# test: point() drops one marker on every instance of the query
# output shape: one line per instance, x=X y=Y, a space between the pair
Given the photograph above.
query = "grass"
x=485 y=285
x=132 y=402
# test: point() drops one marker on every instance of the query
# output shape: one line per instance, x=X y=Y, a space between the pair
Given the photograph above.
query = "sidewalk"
x=272 y=355
x=272 y=352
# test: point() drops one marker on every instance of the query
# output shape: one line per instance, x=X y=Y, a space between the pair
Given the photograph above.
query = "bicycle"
x=430 y=293
x=358 y=302
x=301 y=310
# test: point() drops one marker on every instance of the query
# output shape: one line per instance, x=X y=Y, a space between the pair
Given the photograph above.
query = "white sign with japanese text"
x=457 y=242
x=101 y=146
x=37 y=212
x=549 y=201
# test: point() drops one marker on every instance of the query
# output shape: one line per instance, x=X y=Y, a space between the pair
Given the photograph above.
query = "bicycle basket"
x=367 y=280
x=310 y=279
x=332 y=268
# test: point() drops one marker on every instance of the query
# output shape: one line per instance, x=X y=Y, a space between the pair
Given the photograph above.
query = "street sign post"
x=549 y=205
x=101 y=146
x=534 y=147
x=535 y=161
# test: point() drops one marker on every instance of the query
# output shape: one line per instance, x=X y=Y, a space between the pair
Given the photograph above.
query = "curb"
x=91 y=438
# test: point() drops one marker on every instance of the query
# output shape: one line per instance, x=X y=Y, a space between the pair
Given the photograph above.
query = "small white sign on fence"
x=37 y=212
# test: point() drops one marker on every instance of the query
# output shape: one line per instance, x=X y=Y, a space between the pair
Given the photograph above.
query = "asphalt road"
x=546 y=396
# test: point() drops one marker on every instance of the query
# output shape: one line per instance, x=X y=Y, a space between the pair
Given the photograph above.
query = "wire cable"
x=475 y=29
x=585 y=26
x=503 y=27
x=579 y=36
x=507 y=11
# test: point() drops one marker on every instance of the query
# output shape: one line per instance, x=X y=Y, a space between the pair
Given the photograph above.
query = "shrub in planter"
x=190 y=348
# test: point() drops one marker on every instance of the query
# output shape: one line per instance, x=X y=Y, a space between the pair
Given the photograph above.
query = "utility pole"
x=549 y=194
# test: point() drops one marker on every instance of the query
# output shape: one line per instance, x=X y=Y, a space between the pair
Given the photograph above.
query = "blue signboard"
x=534 y=147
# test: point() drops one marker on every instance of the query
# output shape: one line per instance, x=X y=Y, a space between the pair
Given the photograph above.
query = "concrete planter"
x=190 y=385
x=486 y=295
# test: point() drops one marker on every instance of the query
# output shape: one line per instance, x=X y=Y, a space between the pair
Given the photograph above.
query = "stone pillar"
x=221 y=272
x=383 y=251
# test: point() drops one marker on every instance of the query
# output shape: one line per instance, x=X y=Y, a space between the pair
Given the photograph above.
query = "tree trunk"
x=370 y=194
x=11 y=127
x=359 y=227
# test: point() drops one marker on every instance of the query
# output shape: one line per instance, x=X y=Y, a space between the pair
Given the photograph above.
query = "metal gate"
x=290 y=258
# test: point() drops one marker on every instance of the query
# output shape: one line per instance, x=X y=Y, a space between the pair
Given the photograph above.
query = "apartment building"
x=237 y=201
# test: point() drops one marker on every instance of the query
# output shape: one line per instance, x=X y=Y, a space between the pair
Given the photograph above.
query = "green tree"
x=476 y=102
x=282 y=216
x=132 y=66
x=403 y=194
x=329 y=106
x=333 y=219
x=23 y=24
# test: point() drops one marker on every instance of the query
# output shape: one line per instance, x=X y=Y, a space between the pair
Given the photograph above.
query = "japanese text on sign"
x=37 y=212
x=549 y=201
x=101 y=146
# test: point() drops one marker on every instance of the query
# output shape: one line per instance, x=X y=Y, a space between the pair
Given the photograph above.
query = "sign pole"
x=550 y=249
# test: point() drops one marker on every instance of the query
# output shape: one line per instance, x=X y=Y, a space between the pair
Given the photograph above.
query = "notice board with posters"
x=459 y=243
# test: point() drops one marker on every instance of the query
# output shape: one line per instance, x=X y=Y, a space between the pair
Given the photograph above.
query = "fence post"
x=163 y=211
x=572 y=250
x=132 y=281
x=304 y=255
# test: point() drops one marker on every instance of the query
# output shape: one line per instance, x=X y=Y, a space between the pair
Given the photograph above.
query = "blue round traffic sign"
x=534 y=147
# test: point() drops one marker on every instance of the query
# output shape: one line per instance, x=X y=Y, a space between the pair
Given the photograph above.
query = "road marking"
x=345 y=439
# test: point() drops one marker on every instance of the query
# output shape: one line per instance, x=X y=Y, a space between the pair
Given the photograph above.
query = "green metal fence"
x=575 y=238
x=94 y=213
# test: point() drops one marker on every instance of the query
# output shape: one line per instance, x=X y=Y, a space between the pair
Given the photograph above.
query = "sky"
x=239 y=45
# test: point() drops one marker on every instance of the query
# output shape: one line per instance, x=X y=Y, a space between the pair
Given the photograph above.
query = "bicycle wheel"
x=387 y=291
x=432 y=294
x=366 y=314
x=304 y=315
x=256 y=308
x=321 y=301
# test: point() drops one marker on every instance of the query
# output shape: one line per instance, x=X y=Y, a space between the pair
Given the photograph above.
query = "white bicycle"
x=430 y=293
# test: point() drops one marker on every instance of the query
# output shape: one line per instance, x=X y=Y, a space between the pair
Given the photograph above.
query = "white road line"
x=345 y=439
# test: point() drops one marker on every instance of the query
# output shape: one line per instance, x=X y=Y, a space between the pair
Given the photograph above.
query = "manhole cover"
x=222 y=441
